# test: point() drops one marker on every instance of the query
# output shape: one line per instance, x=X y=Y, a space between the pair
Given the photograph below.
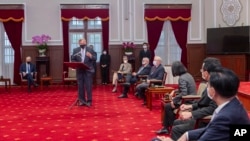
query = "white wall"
x=126 y=18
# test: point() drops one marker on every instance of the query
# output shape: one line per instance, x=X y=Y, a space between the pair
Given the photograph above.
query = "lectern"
x=76 y=65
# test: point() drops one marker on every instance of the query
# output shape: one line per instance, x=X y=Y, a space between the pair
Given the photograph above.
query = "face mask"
x=143 y=63
x=105 y=52
x=144 y=47
x=82 y=46
x=155 y=63
x=28 y=62
x=125 y=61
x=209 y=94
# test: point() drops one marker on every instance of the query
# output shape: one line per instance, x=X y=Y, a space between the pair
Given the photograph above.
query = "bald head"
x=28 y=59
x=145 y=61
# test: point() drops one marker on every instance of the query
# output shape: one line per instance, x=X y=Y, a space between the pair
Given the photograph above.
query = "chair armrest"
x=191 y=97
x=64 y=74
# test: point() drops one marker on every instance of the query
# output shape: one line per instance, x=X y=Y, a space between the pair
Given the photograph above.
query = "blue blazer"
x=23 y=68
x=218 y=129
x=76 y=57
x=156 y=72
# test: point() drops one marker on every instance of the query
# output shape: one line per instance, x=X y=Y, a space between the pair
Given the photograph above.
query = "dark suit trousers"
x=84 y=79
x=29 y=78
x=180 y=127
x=169 y=115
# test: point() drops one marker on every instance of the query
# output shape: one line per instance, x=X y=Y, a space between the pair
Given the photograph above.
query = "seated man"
x=28 y=70
x=143 y=70
x=222 y=88
x=125 y=68
x=156 y=73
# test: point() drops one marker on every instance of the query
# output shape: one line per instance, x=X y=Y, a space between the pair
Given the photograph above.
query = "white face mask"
x=143 y=63
x=125 y=61
x=155 y=63
x=104 y=52
x=208 y=94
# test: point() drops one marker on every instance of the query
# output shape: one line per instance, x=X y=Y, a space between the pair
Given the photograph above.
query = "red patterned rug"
x=44 y=115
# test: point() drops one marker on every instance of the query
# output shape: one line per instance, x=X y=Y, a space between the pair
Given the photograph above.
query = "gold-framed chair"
x=25 y=81
x=69 y=77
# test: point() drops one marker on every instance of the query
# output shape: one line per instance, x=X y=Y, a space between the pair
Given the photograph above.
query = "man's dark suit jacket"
x=204 y=107
x=144 y=71
x=89 y=62
x=218 y=128
x=23 y=68
x=156 y=72
x=144 y=54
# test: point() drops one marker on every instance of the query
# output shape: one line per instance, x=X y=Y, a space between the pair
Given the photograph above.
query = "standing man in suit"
x=143 y=70
x=145 y=52
x=28 y=70
x=222 y=88
x=156 y=73
x=85 y=55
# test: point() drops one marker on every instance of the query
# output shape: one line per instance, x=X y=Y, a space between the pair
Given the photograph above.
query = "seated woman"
x=125 y=68
x=186 y=85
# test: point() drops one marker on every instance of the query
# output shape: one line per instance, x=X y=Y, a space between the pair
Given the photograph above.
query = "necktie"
x=141 y=68
x=28 y=68
x=83 y=54
x=122 y=67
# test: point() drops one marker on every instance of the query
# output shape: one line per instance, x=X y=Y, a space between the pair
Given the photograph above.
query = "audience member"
x=145 y=52
x=104 y=64
x=222 y=88
x=186 y=86
x=143 y=70
x=85 y=55
x=28 y=71
x=156 y=73
x=202 y=108
x=124 y=71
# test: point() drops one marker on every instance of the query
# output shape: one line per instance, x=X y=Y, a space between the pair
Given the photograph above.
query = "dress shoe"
x=162 y=131
x=35 y=85
x=89 y=104
x=123 y=96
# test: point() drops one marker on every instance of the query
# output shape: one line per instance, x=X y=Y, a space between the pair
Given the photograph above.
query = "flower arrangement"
x=128 y=46
x=41 y=41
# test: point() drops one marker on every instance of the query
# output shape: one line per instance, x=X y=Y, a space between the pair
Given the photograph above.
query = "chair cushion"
x=71 y=73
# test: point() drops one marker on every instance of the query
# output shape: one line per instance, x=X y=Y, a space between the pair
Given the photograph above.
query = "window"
x=7 y=55
x=168 y=48
x=91 y=30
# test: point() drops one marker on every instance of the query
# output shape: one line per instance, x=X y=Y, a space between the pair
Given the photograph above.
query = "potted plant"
x=128 y=48
x=41 y=41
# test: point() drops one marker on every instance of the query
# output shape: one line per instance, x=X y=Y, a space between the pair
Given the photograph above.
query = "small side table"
x=44 y=79
x=160 y=91
x=7 y=82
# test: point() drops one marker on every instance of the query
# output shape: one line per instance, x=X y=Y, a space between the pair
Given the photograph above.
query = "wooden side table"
x=7 y=82
x=160 y=91
x=44 y=79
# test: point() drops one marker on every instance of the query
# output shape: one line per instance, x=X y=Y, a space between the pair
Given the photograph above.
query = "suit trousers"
x=180 y=127
x=29 y=78
x=169 y=115
x=140 y=89
x=85 y=83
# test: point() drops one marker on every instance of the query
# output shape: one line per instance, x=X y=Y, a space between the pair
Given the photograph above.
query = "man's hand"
x=89 y=54
x=134 y=73
x=184 y=107
x=183 y=137
x=172 y=104
x=24 y=73
x=185 y=115
x=148 y=81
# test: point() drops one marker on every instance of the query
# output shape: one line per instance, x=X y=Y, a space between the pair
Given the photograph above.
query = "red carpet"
x=44 y=115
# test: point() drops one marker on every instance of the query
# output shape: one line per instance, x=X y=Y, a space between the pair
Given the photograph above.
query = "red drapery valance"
x=167 y=14
x=16 y=15
x=84 y=14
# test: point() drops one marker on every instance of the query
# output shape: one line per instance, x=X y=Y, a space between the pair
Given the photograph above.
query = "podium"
x=76 y=65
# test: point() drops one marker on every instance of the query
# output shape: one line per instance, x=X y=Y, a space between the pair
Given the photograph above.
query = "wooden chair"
x=69 y=76
x=24 y=81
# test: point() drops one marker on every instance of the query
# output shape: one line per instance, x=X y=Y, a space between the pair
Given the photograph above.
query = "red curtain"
x=84 y=14
x=12 y=21
x=179 y=19
x=180 y=29
x=154 y=33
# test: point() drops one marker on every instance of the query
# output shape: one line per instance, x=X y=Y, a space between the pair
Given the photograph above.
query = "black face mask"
x=82 y=46
x=28 y=62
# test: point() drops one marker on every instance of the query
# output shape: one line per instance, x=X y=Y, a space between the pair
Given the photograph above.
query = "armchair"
x=24 y=81
x=69 y=76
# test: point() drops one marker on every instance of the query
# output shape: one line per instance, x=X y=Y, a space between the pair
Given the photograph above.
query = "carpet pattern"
x=44 y=115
